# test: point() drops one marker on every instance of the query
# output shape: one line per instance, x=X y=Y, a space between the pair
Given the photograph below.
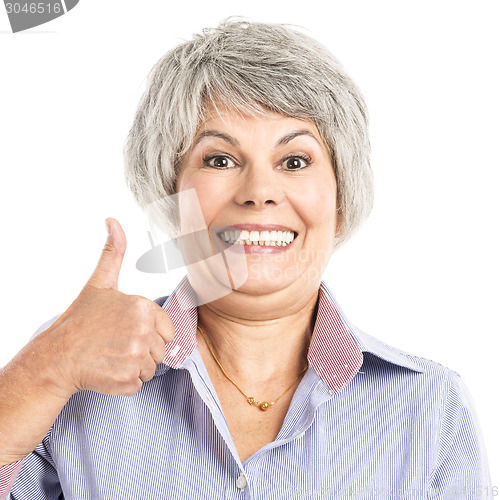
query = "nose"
x=260 y=187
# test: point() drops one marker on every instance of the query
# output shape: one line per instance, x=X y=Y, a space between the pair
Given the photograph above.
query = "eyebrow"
x=292 y=135
x=219 y=135
x=234 y=142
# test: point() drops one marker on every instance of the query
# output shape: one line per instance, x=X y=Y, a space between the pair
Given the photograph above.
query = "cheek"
x=318 y=203
x=210 y=196
x=318 y=212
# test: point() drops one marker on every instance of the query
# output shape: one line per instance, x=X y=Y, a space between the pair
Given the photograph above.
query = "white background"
x=422 y=274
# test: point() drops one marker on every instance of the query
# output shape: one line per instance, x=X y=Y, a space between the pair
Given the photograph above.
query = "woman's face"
x=254 y=177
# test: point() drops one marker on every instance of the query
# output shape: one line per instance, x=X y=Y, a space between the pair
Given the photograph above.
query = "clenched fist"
x=108 y=341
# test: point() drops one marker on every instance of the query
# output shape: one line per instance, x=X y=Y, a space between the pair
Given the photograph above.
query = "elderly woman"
x=250 y=148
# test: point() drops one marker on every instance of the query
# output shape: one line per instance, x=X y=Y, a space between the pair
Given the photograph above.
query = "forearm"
x=30 y=400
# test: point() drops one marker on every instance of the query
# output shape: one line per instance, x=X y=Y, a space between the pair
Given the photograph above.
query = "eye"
x=296 y=162
x=219 y=161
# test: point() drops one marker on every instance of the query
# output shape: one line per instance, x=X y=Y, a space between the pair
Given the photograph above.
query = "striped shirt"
x=366 y=421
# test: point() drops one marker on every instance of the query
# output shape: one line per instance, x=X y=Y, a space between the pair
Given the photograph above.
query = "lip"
x=256 y=227
x=253 y=249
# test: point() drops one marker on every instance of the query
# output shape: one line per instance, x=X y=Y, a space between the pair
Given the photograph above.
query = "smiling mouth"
x=258 y=238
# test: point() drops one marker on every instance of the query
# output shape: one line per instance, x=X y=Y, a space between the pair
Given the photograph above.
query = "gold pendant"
x=263 y=406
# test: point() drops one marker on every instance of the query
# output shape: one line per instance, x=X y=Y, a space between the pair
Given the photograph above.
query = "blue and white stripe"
x=401 y=427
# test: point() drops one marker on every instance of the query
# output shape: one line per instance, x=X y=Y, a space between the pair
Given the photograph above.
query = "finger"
x=108 y=268
x=158 y=349
x=163 y=324
x=148 y=369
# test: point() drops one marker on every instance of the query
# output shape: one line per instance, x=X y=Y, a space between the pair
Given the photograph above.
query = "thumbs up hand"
x=108 y=341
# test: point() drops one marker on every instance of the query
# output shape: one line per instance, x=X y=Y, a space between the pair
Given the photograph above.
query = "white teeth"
x=254 y=235
x=262 y=238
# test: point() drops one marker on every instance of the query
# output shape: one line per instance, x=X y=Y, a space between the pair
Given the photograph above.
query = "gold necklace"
x=251 y=401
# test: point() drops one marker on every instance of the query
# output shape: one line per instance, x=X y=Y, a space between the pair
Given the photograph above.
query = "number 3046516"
x=33 y=8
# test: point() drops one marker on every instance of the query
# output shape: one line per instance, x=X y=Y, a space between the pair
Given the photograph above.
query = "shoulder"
x=389 y=354
x=436 y=387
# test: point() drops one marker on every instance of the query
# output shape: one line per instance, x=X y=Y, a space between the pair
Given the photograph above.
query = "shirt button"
x=241 y=482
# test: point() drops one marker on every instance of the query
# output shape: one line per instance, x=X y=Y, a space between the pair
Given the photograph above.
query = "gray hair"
x=252 y=67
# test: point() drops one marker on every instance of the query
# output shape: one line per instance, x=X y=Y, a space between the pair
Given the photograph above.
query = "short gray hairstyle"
x=252 y=67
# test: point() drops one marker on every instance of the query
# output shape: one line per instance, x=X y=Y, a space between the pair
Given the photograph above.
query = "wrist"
x=47 y=362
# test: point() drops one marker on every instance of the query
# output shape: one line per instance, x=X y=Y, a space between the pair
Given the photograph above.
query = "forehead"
x=224 y=117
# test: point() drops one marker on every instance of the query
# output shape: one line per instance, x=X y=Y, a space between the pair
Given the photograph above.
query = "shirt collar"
x=335 y=351
x=365 y=342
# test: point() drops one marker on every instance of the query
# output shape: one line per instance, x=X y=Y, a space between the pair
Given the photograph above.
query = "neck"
x=258 y=338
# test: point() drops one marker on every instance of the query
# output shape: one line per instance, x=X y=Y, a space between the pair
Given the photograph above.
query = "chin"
x=257 y=290
x=262 y=286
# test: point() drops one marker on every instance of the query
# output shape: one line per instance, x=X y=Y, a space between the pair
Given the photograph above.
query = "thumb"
x=108 y=268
